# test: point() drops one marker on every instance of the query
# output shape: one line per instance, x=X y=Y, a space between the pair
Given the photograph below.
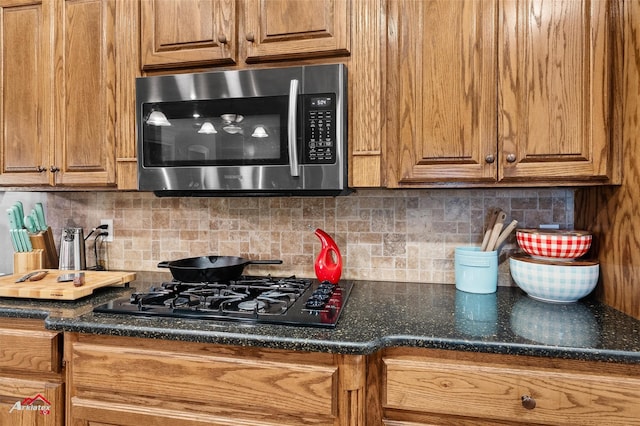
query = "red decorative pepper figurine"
x=329 y=262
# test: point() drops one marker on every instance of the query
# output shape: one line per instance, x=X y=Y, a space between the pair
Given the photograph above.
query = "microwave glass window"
x=224 y=132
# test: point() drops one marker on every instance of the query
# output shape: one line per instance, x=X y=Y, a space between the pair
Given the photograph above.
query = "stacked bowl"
x=549 y=269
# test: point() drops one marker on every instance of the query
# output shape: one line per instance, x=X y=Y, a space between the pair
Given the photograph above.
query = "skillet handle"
x=164 y=264
x=265 y=262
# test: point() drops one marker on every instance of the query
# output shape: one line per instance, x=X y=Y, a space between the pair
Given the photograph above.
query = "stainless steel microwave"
x=276 y=131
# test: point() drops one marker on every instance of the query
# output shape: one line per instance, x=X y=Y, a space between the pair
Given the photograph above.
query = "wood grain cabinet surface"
x=30 y=368
x=26 y=91
x=192 y=33
x=84 y=100
x=59 y=92
x=516 y=92
x=131 y=381
x=67 y=104
x=438 y=387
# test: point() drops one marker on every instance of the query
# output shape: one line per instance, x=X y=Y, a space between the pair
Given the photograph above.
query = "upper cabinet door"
x=554 y=115
x=85 y=93
x=187 y=33
x=283 y=29
x=518 y=92
x=25 y=88
x=441 y=91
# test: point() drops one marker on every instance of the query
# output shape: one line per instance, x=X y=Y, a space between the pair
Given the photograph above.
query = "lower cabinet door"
x=26 y=402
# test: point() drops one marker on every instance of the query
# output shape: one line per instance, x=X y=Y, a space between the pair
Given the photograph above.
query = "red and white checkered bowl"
x=551 y=244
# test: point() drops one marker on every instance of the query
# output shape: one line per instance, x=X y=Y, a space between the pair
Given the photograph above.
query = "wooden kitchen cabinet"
x=193 y=33
x=133 y=381
x=84 y=104
x=30 y=374
x=26 y=91
x=59 y=91
x=441 y=88
x=317 y=31
x=516 y=92
x=187 y=33
x=422 y=386
x=557 y=65
x=291 y=29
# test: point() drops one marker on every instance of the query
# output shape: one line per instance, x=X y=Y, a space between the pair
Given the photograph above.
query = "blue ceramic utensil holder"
x=476 y=271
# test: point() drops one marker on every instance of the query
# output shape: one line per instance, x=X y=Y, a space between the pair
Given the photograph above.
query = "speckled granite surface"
x=383 y=314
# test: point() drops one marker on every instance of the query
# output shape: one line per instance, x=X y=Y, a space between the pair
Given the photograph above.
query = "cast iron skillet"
x=210 y=268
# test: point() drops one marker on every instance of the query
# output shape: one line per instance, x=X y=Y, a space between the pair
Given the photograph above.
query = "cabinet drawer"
x=45 y=409
x=482 y=390
x=26 y=346
x=211 y=381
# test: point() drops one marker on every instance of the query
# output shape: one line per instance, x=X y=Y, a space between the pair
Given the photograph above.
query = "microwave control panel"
x=320 y=129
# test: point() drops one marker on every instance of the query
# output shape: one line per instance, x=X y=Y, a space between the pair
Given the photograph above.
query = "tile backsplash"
x=384 y=235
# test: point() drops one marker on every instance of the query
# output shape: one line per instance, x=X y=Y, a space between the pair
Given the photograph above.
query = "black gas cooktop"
x=292 y=301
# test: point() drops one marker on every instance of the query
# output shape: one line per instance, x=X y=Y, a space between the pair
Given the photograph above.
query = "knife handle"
x=32 y=221
x=21 y=240
x=38 y=276
x=41 y=218
x=17 y=242
x=26 y=241
x=19 y=209
x=13 y=218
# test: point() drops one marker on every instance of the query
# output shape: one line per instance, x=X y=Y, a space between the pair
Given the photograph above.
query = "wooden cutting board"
x=50 y=288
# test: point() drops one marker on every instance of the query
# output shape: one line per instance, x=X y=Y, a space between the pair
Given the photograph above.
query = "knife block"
x=28 y=261
x=44 y=240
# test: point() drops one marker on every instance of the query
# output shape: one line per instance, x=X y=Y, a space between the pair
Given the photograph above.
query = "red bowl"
x=550 y=244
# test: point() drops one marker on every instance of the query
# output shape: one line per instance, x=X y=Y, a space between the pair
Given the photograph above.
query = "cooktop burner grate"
x=291 y=300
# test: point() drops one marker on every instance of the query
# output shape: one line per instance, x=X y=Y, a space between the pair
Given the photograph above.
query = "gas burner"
x=252 y=305
x=290 y=300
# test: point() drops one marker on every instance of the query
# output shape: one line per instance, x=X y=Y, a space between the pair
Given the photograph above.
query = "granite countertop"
x=379 y=315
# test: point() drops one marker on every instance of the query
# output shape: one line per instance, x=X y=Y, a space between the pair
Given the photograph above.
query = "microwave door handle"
x=291 y=128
